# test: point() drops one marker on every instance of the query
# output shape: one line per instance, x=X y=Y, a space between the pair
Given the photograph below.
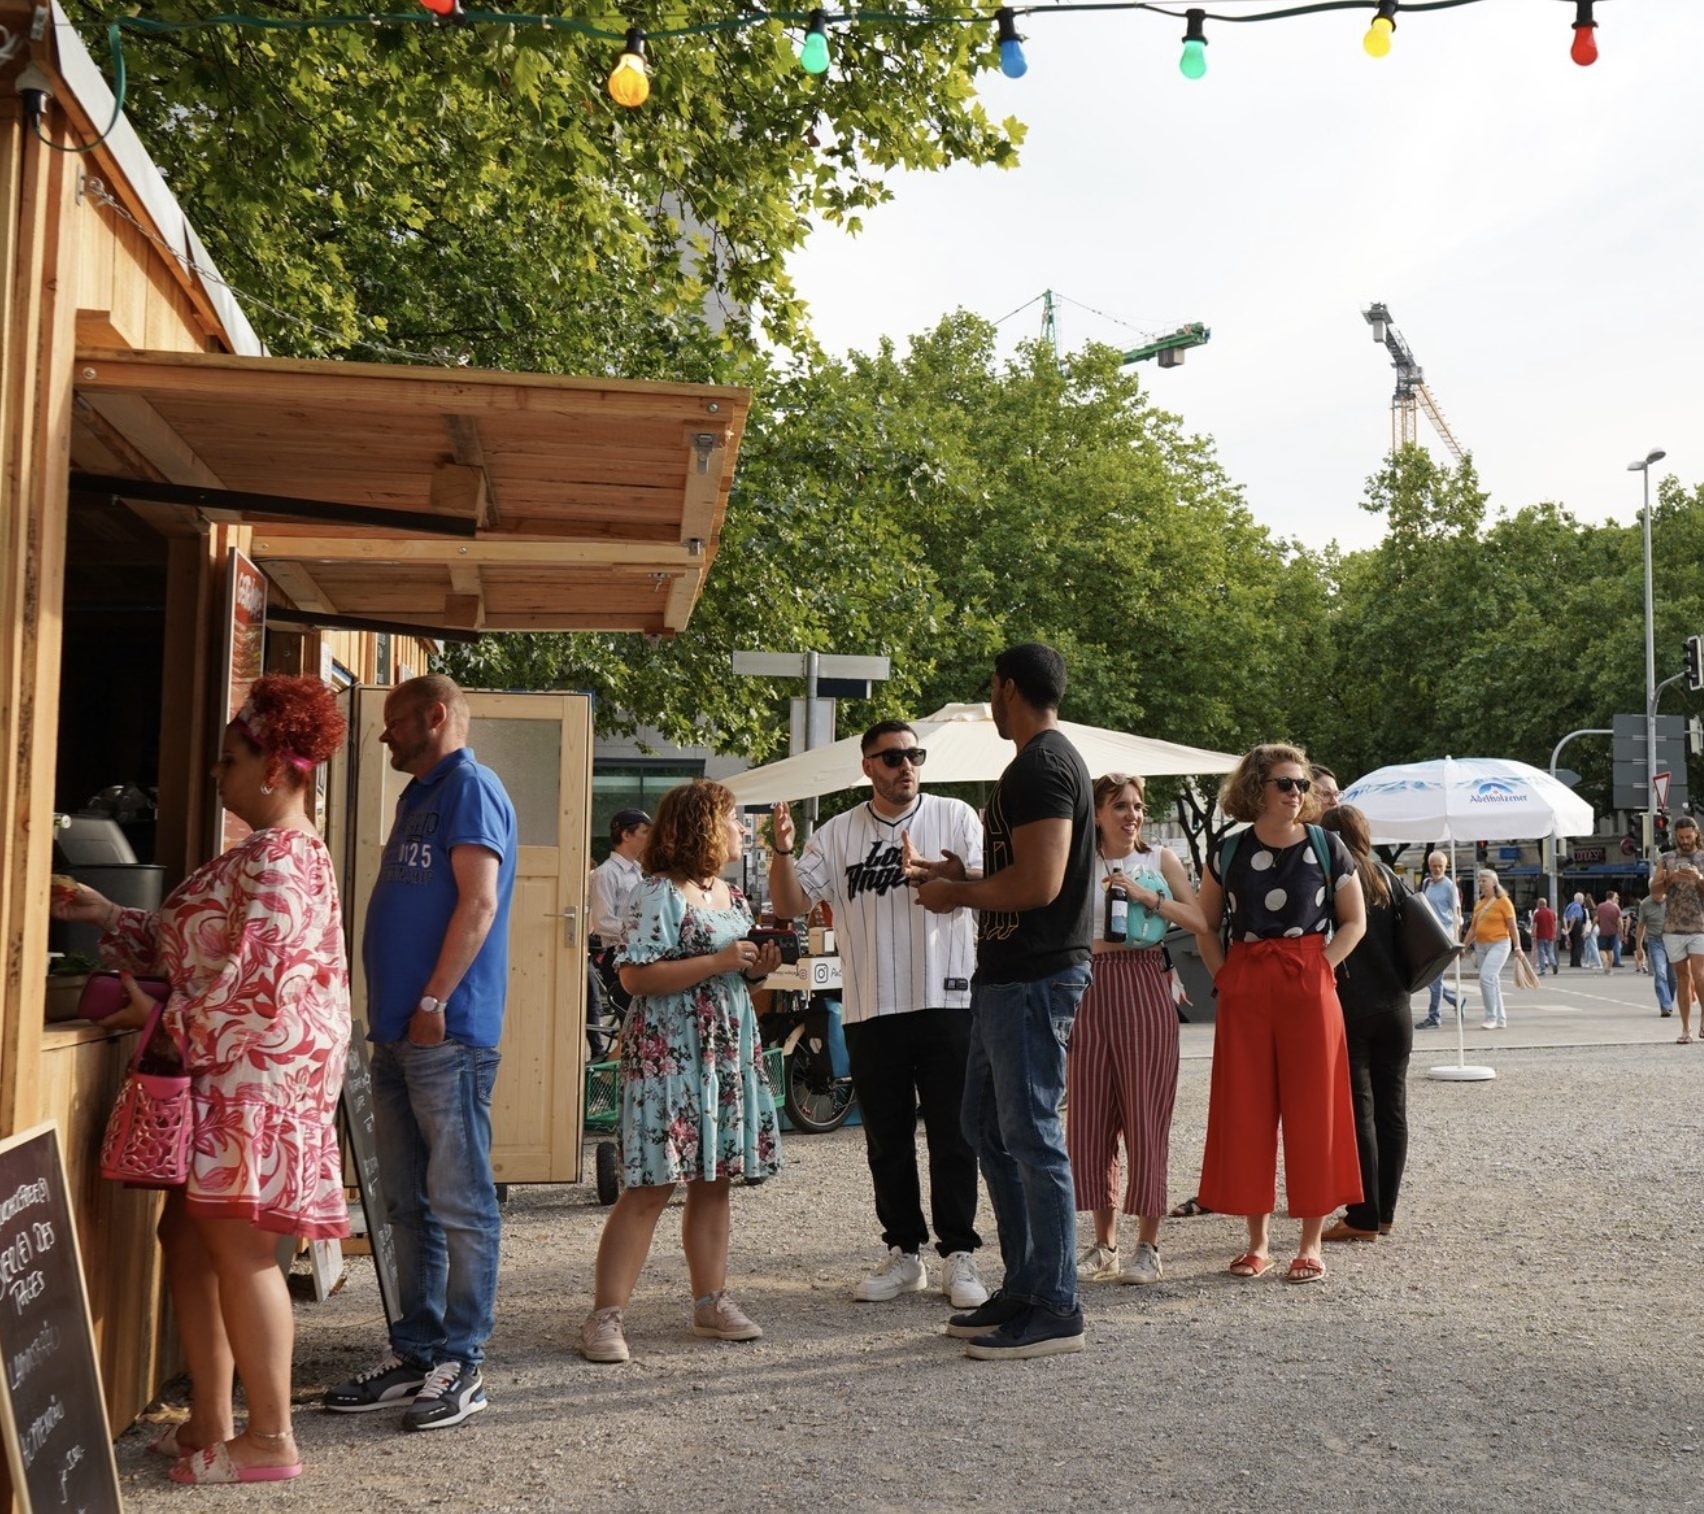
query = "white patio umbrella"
x=1467 y=799
x=964 y=747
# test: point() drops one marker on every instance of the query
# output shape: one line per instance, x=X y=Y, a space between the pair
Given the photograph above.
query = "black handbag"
x=1427 y=947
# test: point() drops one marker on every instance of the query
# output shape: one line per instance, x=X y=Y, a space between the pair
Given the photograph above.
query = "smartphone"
x=787 y=940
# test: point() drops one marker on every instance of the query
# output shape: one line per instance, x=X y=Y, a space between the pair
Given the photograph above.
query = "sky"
x=1536 y=228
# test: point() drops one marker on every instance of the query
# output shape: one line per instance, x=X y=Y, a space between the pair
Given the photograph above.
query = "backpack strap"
x=1227 y=852
x=1322 y=855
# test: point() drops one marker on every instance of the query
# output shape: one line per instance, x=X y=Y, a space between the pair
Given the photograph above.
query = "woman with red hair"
x=252 y=945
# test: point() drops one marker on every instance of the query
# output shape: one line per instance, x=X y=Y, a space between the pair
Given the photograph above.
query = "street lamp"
x=1643 y=466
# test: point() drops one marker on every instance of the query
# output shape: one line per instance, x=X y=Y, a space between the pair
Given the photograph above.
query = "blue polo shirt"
x=457 y=803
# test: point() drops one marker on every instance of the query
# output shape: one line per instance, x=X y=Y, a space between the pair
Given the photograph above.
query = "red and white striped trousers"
x=1121 y=1081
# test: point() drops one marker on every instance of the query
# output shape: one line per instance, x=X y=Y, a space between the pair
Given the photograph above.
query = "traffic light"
x=1695 y=662
x=1481 y=852
x=1662 y=832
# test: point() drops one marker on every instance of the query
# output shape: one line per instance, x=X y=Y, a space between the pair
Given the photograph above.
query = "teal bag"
x=1144 y=926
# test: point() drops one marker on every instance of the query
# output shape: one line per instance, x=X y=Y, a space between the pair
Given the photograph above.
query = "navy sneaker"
x=385 y=1386
x=453 y=1392
x=1035 y=1332
x=985 y=1317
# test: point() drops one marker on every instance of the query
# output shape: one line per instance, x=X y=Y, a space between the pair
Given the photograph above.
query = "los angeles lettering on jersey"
x=877 y=874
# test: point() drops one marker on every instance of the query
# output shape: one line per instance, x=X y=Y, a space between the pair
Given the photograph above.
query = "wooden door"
x=540 y=745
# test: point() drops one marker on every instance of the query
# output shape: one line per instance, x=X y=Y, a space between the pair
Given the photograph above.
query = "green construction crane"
x=1169 y=349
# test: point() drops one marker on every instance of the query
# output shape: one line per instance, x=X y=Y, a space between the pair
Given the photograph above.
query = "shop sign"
x=243 y=661
x=1587 y=856
x=55 y=1418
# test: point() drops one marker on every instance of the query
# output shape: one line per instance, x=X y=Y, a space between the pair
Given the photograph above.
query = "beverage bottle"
x=1117 y=913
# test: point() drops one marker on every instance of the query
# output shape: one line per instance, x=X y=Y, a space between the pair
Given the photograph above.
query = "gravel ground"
x=1524 y=1341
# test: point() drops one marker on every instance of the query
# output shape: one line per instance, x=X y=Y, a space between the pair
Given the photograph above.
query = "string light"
x=443 y=7
x=1584 y=51
x=1377 y=40
x=1013 y=63
x=1193 y=63
x=813 y=56
x=630 y=82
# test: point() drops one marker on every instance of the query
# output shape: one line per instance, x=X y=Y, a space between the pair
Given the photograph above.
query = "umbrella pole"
x=1462 y=1071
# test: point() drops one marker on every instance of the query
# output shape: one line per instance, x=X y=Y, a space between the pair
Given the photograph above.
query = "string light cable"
x=629 y=80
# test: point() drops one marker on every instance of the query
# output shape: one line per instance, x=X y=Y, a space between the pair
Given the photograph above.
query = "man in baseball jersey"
x=906 y=1003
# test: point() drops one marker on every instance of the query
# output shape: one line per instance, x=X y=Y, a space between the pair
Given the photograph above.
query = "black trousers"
x=1380 y=1041
x=1576 y=945
x=899 y=1064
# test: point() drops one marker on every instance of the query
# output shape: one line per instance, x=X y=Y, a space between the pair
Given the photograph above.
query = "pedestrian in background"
x=1609 y=930
x=1573 y=923
x=1544 y=936
x=1493 y=931
x=1649 y=953
x=1372 y=985
x=1590 y=957
x=1440 y=892
x=1679 y=883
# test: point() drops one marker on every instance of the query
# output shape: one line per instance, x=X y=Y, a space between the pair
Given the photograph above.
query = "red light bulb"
x=441 y=7
x=1584 y=51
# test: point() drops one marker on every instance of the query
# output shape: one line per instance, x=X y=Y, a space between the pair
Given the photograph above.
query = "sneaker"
x=1035 y=1332
x=1487 y=1024
x=601 y=1338
x=453 y=1392
x=989 y=1316
x=1428 y=1024
x=381 y=1387
x=1099 y=1263
x=961 y=1282
x=903 y=1272
x=721 y=1319
x=1146 y=1268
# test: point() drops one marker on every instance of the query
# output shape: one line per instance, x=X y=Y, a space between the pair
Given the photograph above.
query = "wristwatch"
x=430 y=1006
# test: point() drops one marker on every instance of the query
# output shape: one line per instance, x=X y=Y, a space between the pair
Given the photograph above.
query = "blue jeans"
x=1546 y=954
x=1656 y=954
x=1014 y=1083
x=1439 y=994
x=432 y=1131
x=1615 y=948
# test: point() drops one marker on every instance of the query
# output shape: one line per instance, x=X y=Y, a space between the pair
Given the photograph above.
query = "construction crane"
x=1169 y=349
x=1412 y=396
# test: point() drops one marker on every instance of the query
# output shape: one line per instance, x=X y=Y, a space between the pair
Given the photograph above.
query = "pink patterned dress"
x=252 y=945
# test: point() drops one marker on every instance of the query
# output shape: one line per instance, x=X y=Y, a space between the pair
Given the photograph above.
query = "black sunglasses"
x=1291 y=785
x=895 y=755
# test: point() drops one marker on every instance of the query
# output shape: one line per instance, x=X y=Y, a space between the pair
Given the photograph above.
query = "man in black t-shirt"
x=1035 y=904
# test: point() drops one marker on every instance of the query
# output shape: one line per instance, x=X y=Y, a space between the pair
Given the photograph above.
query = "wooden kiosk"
x=144 y=436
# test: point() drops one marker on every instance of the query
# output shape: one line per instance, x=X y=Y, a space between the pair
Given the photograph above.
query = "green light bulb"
x=813 y=56
x=1193 y=63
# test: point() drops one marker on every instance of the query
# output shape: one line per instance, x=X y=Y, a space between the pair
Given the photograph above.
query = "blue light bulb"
x=1013 y=63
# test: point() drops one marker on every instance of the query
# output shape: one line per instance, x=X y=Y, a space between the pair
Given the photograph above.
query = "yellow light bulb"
x=629 y=84
x=1377 y=40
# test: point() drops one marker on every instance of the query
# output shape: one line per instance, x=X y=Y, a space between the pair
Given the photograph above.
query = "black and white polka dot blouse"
x=1279 y=890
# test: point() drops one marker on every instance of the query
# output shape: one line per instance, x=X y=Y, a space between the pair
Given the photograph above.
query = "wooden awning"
x=427 y=497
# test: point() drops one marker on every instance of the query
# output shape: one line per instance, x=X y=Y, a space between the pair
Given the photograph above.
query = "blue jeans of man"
x=1439 y=993
x=1546 y=954
x=1656 y=954
x=432 y=1131
x=1014 y=1083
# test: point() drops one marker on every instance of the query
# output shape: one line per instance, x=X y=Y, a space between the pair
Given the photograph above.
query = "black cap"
x=627 y=819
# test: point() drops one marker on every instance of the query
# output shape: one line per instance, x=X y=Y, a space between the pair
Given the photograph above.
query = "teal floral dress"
x=695 y=1100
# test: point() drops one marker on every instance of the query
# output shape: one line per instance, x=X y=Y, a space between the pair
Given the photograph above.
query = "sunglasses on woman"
x=1291 y=785
x=895 y=755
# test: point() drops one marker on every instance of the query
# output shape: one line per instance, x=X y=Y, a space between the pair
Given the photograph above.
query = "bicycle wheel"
x=816 y=1101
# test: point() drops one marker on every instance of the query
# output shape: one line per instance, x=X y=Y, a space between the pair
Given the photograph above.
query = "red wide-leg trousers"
x=1279 y=1057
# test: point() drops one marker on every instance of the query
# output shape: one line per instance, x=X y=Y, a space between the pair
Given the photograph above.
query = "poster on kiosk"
x=242 y=662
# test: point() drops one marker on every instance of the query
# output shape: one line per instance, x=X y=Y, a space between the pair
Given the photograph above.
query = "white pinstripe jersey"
x=894 y=955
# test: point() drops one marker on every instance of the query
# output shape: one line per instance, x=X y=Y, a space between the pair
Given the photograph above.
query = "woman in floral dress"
x=252 y=945
x=696 y=1107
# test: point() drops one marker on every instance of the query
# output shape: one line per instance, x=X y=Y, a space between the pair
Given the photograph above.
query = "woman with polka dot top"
x=1279 y=1053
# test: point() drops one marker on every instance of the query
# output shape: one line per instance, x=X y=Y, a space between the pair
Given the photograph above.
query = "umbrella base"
x=1457 y=1073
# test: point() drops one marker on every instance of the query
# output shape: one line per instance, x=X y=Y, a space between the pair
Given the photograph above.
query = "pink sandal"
x=214 y=1467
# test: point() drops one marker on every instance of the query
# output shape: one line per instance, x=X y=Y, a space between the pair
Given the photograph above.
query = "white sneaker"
x=960 y=1282
x=1146 y=1268
x=1099 y=1263
x=903 y=1272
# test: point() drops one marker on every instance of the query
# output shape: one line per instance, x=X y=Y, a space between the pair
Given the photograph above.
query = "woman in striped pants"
x=1121 y=1070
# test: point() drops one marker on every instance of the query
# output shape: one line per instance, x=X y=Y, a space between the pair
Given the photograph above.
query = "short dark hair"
x=1320 y=770
x=1037 y=671
x=883 y=728
x=623 y=823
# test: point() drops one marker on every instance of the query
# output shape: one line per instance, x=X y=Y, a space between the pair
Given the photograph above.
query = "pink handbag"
x=147 y=1134
x=104 y=994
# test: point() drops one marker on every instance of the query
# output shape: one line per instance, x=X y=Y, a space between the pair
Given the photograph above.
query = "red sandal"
x=1250 y=1264
x=1305 y=1269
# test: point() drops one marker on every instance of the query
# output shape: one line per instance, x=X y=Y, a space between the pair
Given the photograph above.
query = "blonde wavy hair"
x=1242 y=795
x=687 y=837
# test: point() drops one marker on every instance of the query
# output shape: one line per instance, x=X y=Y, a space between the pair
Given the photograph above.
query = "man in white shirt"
x=906 y=1003
x=613 y=882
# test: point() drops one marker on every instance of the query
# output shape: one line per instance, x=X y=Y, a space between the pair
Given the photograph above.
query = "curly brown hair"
x=1242 y=795
x=687 y=836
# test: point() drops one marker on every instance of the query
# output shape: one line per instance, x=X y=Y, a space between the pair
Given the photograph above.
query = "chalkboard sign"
x=54 y=1411
x=358 y=1122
